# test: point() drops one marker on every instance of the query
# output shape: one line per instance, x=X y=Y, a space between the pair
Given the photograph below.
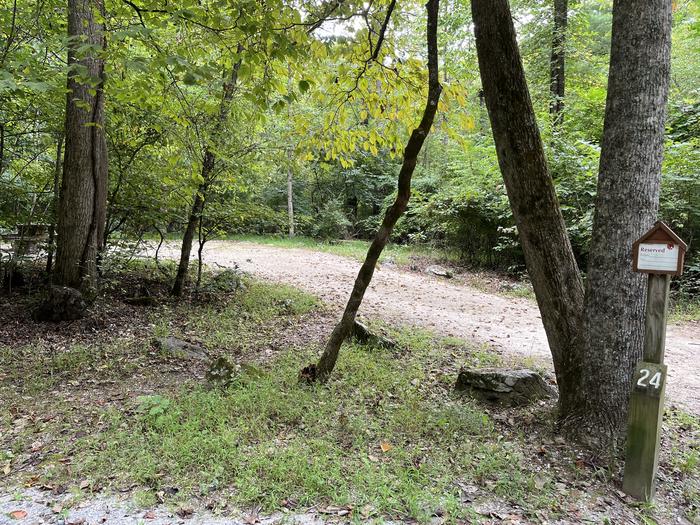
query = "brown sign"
x=659 y=251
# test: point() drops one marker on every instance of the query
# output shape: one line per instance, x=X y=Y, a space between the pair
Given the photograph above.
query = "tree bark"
x=548 y=254
x=557 y=62
x=82 y=205
x=343 y=329
x=208 y=165
x=626 y=205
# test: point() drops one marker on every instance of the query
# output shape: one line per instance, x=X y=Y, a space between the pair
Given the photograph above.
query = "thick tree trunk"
x=626 y=205
x=208 y=165
x=54 y=205
x=343 y=329
x=557 y=62
x=82 y=204
x=595 y=344
x=548 y=254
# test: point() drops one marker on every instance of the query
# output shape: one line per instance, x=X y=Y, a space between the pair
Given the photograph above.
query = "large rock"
x=508 y=387
x=61 y=304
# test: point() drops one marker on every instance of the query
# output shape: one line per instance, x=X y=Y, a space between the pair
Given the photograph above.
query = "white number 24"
x=655 y=380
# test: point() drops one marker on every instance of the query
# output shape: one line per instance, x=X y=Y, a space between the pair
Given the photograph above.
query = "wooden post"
x=660 y=253
x=644 y=430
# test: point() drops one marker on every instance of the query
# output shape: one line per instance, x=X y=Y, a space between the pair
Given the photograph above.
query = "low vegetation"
x=386 y=438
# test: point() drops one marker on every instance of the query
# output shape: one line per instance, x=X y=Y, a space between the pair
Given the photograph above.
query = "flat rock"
x=508 y=387
x=180 y=348
x=439 y=271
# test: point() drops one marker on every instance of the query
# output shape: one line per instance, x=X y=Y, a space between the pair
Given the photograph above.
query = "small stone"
x=439 y=271
x=222 y=372
x=364 y=335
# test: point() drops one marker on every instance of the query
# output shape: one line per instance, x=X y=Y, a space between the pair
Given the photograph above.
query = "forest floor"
x=481 y=308
x=100 y=424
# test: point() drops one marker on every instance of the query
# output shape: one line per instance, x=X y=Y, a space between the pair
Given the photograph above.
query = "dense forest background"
x=311 y=114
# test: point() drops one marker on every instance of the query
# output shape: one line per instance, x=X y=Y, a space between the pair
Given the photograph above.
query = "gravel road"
x=511 y=325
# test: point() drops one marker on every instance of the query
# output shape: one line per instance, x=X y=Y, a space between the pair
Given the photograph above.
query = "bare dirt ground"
x=510 y=325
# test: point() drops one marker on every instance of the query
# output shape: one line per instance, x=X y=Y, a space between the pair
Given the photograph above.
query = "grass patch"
x=374 y=436
x=685 y=309
x=386 y=437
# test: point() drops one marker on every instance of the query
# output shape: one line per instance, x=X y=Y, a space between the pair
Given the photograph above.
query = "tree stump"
x=506 y=387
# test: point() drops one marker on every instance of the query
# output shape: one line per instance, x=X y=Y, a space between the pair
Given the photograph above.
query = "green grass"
x=267 y=439
x=271 y=439
x=685 y=309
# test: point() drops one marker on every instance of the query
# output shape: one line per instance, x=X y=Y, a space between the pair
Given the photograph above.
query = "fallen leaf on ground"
x=18 y=514
x=385 y=446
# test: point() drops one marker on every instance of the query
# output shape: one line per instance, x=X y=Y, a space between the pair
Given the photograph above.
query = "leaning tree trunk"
x=626 y=205
x=82 y=206
x=342 y=330
x=548 y=255
x=557 y=62
x=208 y=165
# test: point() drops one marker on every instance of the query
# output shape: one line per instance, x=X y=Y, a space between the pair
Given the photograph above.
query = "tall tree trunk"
x=550 y=260
x=626 y=205
x=82 y=205
x=54 y=205
x=557 y=62
x=208 y=165
x=342 y=330
x=597 y=340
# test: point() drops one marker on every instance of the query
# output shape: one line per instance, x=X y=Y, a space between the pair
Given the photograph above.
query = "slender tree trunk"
x=54 y=205
x=557 y=62
x=548 y=254
x=82 y=205
x=626 y=206
x=201 y=238
x=342 y=330
x=290 y=199
x=2 y=148
x=187 y=238
x=208 y=165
